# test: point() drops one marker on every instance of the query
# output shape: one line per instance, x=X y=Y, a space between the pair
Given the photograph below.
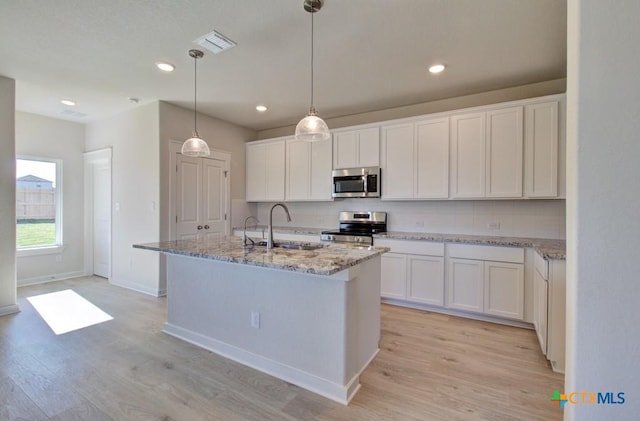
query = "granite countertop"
x=547 y=248
x=330 y=259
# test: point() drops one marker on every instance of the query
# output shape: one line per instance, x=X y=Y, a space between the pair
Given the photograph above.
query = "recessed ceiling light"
x=165 y=67
x=261 y=108
x=68 y=102
x=436 y=68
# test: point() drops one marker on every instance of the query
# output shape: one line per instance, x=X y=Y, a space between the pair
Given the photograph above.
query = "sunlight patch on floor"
x=66 y=311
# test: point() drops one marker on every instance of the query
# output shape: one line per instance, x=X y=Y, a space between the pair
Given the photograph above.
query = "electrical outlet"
x=58 y=258
x=255 y=319
x=493 y=225
x=420 y=224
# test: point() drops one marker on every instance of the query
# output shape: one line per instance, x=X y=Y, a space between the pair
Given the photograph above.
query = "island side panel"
x=302 y=316
x=363 y=316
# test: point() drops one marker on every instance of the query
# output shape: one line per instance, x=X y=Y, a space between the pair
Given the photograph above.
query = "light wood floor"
x=430 y=367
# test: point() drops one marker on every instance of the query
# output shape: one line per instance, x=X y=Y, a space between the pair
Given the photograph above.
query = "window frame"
x=58 y=246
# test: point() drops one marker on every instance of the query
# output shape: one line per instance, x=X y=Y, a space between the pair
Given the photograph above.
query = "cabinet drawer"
x=542 y=266
x=425 y=248
x=494 y=253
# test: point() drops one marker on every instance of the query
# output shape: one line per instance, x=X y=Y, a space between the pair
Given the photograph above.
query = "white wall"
x=603 y=284
x=7 y=197
x=133 y=135
x=52 y=138
x=517 y=218
x=176 y=124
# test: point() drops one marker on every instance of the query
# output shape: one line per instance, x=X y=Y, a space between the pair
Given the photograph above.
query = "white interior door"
x=188 y=197
x=97 y=217
x=201 y=197
x=101 y=218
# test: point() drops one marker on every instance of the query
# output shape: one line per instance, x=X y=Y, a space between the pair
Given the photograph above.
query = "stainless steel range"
x=357 y=227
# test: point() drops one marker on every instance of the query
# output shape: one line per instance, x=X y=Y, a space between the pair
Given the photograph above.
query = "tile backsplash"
x=513 y=218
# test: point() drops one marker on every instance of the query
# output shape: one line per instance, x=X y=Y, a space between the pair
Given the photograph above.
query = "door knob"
x=199 y=227
x=206 y=227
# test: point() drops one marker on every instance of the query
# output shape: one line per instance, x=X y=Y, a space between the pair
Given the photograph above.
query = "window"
x=38 y=203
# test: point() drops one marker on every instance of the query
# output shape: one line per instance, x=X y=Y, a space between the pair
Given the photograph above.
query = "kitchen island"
x=309 y=317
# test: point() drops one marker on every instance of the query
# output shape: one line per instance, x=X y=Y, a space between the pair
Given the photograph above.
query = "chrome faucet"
x=244 y=234
x=270 y=236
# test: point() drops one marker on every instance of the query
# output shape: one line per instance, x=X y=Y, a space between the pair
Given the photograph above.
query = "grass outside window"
x=35 y=234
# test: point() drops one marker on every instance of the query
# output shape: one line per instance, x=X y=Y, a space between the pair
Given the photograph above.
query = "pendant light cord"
x=195 y=95
x=312 y=108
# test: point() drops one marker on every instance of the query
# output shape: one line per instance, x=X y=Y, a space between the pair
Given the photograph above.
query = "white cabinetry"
x=265 y=173
x=356 y=148
x=549 y=295
x=541 y=150
x=486 y=279
x=308 y=170
x=415 y=160
x=504 y=153
x=413 y=271
x=486 y=154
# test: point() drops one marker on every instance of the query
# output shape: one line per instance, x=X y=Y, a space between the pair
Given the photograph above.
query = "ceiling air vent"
x=215 y=42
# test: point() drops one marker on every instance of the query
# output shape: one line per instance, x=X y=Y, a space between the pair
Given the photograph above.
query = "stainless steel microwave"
x=356 y=182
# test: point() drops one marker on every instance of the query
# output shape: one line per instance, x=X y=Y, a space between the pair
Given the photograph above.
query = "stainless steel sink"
x=293 y=245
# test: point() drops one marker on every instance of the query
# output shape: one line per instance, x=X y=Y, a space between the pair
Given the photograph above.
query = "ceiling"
x=369 y=54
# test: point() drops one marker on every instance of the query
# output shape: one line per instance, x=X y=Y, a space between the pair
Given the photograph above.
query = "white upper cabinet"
x=265 y=171
x=432 y=159
x=415 y=160
x=356 y=148
x=308 y=174
x=468 y=149
x=397 y=161
x=504 y=153
x=486 y=154
x=541 y=150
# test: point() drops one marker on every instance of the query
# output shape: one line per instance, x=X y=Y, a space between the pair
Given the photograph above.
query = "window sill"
x=39 y=251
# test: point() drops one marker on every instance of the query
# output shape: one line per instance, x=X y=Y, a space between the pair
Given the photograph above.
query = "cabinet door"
x=504 y=289
x=541 y=150
x=298 y=169
x=393 y=274
x=320 y=173
x=540 y=289
x=255 y=172
x=465 y=284
x=468 y=155
x=397 y=171
x=345 y=150
x=274 y=170
x=368 y=147
x=504 y=153
x=425 y=279
x=432 y=159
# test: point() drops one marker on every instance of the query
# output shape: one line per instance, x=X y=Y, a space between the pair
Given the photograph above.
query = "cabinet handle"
x=206 y=227
x=199 y=227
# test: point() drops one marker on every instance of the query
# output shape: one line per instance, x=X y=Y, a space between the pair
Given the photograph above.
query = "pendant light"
x=195 y=146
x=312 y=128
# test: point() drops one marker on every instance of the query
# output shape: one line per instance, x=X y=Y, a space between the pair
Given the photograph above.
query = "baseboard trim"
x=137 y=287
x=10 y=309
x=334 y=391
x=49 y=278
x=459 y=313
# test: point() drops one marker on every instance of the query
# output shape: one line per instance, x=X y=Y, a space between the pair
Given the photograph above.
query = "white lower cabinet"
x=413 y=271
x=486 y=279
x=549 y=295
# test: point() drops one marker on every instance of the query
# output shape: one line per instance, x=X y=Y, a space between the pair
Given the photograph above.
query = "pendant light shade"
x=195 y=146
x=312 y=128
